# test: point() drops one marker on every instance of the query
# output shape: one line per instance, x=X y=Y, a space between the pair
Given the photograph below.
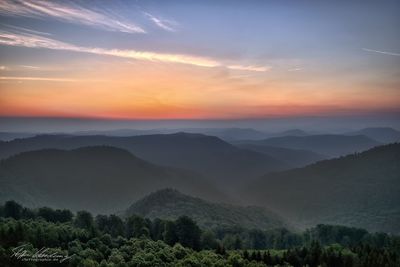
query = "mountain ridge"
x=210 y=156
x=381 y=134
x=84 y=177
x=357 y=190
x=332 y=145
x=170 y=204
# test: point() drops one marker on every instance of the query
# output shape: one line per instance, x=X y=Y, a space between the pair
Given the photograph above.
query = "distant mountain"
x=208 y=155
x=223 y=133
x=293 y=157
x=227 y=134
x=328 y=144
x=381 y=134
x=118 y=132
x=8 y=136
x=359 y=190
x=170 y=204
x=293 y=132
x=230 y=134
x=99 y=179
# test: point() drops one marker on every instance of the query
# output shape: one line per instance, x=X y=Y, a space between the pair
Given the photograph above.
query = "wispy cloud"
x=36 y=41
x=164 y=24
x=71 y=13
x=30 y=67
x=249 y=68
x=295 y=69
x=381 y=52
x=3 y=68
x=46 y=79
x=13 y=27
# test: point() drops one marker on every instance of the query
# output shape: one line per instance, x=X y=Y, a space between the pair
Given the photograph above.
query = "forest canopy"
x=107 y=240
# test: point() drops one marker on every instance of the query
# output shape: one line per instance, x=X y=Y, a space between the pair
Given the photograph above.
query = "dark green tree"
x=12 y=209
x=188 y=232
x=170 y=236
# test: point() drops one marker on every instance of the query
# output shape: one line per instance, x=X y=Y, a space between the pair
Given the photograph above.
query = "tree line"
x=109 y=240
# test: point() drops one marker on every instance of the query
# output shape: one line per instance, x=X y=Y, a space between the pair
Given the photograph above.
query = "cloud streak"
x=36 y=41
x=12 y=27
x=30 y=67
x=381 y=52
x=72 y=13
x=161 y=23
x=295 y=69
x=249 y=68
x=46 y=79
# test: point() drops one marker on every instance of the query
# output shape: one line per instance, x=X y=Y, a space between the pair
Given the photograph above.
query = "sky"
x=199 y=60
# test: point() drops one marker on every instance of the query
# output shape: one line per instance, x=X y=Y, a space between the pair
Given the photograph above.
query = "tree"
x=170 y=236
x=84 y=220
x=102 y=223
x=65 y=215
x=12 y=209
x=228 y=241
x=136 y=227
x=257 y=238
x=157 y=229
x=220 y=249
x=246 y=255
x=116 y=226
x=188 y=232
x=238 y=243
x=208 y=240
x=48 y=214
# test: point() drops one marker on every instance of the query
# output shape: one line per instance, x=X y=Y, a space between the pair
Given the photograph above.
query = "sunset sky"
x=198 y=59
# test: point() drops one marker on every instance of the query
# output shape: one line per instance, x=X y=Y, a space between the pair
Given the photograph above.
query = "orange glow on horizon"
x=147 y=90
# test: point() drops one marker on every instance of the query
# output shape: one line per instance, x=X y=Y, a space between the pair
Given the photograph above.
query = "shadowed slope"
x=100 y=179
x=359 y=190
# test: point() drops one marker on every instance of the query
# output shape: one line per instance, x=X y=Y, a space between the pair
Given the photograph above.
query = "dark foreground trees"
x=136 y=241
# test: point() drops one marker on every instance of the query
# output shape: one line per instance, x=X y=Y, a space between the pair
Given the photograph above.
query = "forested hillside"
x=292 y=157
x=171 y=204
x=360 y=190
x=99 y=179
x=210 y=156
x=381 y=134
x=329 y=144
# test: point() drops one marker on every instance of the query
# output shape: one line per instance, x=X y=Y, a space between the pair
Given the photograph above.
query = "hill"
x=293 y=157
x=214 y=158
x=329 y=144
x=8 y=136
x=230 y=134
x=223 y=133
x=381 y=134
x=171 y=204
x=359 y=190
x=100 y=179
x=292 y=132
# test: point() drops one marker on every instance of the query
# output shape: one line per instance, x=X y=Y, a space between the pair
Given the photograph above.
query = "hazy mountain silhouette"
x=119 y=132
x=8 y=136
x=171 y=204
x=223 y=133
x=360 y=190
x=328 y=144
x=233 y=133
x=208 y=155
x=381 y=134
x=99 y=179
x=293 y=157
x=292 y=132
